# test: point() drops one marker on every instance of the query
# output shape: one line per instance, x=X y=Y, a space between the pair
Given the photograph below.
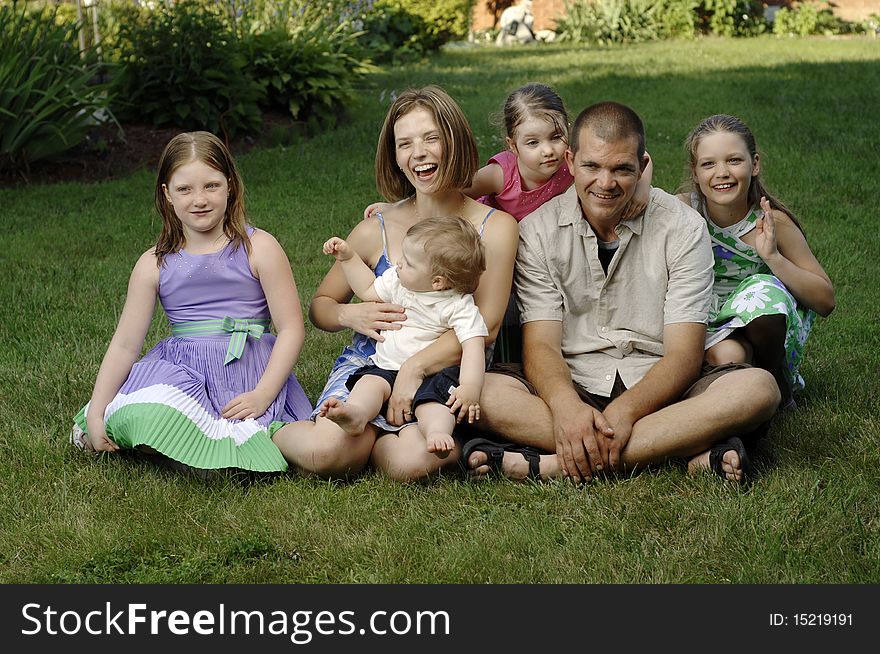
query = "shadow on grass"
x=222 y=476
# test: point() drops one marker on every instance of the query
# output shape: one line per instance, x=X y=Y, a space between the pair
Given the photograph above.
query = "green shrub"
x=399 y=30
x=731 y=17
x=807 y=18
x=48 y=101
x=304 y=54
x=391 y=32
x=446 y=20
x=301 y=75
x=626 y=21
x=62 y=13
x=112 y=16
x=183 y=66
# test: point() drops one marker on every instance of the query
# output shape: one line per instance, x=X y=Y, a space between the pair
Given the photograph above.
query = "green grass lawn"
x=813 y=515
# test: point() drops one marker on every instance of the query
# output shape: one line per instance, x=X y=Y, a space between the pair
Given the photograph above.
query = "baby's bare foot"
x=440 y=444
x=347 y=416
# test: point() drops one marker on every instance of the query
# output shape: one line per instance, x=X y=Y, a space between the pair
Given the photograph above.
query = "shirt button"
x=604 y=329
x=607 y=377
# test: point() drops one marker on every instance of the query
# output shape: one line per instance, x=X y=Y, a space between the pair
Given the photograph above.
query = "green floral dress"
x=745 y=289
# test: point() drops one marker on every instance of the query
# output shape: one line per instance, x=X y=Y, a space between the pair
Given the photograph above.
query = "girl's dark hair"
x=207 y=148
x=537 y=100
x=733 y=125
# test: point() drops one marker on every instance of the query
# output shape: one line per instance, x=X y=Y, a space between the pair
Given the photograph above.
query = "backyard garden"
x=300 y=98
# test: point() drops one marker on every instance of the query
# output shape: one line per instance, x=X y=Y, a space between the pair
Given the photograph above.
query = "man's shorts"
x=708 y=375
x=435 y=388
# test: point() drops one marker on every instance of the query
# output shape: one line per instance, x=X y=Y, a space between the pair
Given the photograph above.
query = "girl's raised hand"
x=338 y=248
x=637 y=202
x=376 y=207
x=765 y=242
x=633 y=208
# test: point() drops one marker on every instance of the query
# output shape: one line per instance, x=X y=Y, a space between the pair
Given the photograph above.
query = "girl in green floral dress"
x=768 y=284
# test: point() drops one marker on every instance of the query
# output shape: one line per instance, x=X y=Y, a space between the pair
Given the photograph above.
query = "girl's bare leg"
x=731 y=350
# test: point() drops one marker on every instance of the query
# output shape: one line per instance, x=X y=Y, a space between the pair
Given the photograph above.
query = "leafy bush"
x=807 y=18
x=219 y=65
x=392 y=33
x=626 y=21
x=446 y=20
x=731 y=17
x=48 y=101
x=183 y=66
x=304 y=54
x=300 y=75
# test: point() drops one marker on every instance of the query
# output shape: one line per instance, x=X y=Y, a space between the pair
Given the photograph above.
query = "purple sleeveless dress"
x=173 y=396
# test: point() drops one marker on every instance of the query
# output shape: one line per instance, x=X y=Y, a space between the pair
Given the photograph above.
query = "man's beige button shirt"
x=660 y=274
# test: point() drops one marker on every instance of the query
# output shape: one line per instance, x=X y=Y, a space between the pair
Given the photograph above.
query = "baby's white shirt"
x=429 y=315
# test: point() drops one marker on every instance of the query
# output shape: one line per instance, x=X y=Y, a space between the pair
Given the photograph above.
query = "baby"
x=440 y=268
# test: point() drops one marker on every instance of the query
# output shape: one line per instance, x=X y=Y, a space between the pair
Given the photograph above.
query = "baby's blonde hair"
x=454 y=248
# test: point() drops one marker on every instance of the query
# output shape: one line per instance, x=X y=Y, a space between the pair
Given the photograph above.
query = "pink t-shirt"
x=513 y=199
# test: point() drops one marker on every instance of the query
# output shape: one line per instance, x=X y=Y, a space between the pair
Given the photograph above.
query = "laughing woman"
x=425 y=156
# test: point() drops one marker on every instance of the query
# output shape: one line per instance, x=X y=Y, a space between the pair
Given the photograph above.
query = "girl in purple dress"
x=207 y=396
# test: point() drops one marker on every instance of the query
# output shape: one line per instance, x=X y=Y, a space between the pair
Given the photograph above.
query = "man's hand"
x=582 y=441
x=622 y=425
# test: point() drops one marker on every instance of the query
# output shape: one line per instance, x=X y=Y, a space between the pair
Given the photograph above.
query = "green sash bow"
x=239 y=328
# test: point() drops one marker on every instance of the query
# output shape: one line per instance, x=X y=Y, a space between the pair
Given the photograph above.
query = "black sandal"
x=716 y=458
x=495 y=451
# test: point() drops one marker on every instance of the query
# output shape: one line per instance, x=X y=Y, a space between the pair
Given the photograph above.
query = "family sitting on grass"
x=653 y=327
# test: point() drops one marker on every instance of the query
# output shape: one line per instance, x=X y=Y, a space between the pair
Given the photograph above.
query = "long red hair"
x=207 y=148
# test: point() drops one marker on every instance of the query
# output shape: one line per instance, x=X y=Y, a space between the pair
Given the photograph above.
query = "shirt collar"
x=430 y=298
